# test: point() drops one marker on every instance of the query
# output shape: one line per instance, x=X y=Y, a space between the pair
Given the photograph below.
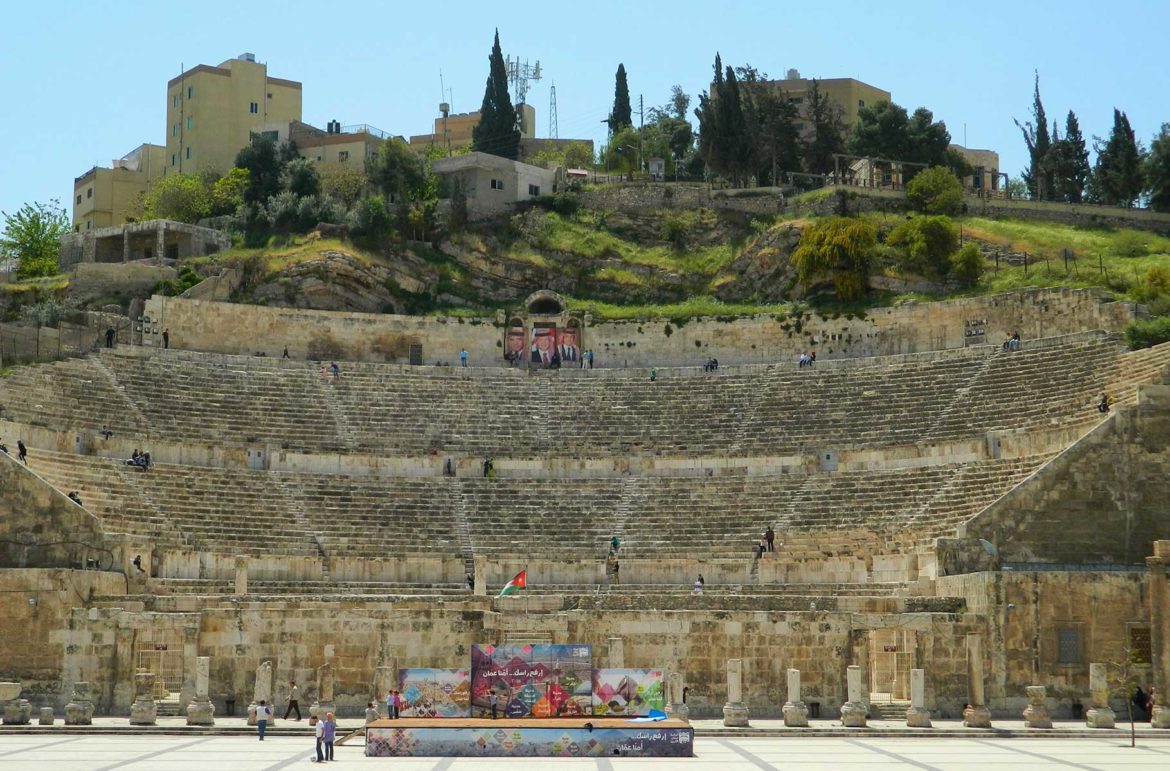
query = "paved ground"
x=138 y=752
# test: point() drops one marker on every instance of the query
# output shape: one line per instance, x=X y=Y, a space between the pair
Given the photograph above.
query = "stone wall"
x=230 y=328
x=1101 y=501
x=89 y=281
x=40 y=527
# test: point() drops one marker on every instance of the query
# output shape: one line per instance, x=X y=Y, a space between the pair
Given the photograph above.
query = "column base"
x=853 y=714
x=200 y=713
x=319 y=709
x=1036 y=716
x=679 y=712
x=143 y=712
x=1161 y=716
x=46 y=717
x=1100 y=717
x=795 y=714
x=977 y=717
x=918 y=717
x=735 y=715
x=17 y=712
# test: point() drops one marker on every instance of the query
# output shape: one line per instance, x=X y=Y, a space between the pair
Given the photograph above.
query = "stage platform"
x=526 y=737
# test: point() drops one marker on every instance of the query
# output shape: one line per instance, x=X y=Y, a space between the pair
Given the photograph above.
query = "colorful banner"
x=628 y=692
x=435 y=692
x=642 y=741
x=532 y=680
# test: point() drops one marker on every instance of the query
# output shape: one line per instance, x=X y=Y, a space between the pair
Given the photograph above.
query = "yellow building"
x=455 y=130
x=987 y=176
x=212 y=112
x=850 y=94
x=336 y=145
x=103 y=197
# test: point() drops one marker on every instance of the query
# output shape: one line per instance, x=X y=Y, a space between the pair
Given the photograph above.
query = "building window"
x=190 y=123
x=1069 y=645
x=861 y=103
x=534 y=190
x=342 y=156
x=175 y=100
x=270 y=96
x=174 y=158
x=497 y=184
x=253 y=107
x=190 y=91
x=88 y=224
x=79 y=197
x=798 y=100
x=175 y=130
x=188 y=152
x=1139 y=645
x=89 y=193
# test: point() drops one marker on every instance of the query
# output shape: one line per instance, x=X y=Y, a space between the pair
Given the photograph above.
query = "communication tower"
x=519 y=74
x=552 y=112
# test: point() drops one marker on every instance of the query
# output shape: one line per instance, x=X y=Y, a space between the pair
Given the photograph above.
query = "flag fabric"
x=516 y=584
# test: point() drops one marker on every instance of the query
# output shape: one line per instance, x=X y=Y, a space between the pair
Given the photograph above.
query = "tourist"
x=589 y=353
x=109 y=337
x=803 y=361
x=470 y=581
x=698 y=587
x=371 y=713
x=770 y=537
x=492 y=700
x=106 y=433
x=329 y=734
x=3 y=448
x=463 y=358
x=21 y=452
x=137 y=563
x=617 y=568
x=702 y=581
x=489 y=468
x=263 y=715
x=73 y=496
x=336 y=371
x=1103 y=406
x=294 y=697
x=812 y=358
x=615 y=543
x=1139 y=701
x=319 y=733
x=398 y=702
x=714 y=364
x=1012 y=343
x=390 y=704
x=285 y=354
x=166 y=339
x=653 y=375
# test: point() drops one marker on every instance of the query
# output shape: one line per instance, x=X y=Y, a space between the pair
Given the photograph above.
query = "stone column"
x=976 y=715
x=262 y=691
x=241 y=574
x=1099 y=714
x=1036 y=713
x=79 y=710
x=735 y=712
x=160 y=242
x=617 y=653
x=675 y=706
x=795 y=710
x=385 y=679
x=480 y=578
x=17 y=711
x=143 y=711
x=125 y=245
x=854 y=711
x=1160 y=633
x=47 y=716
x=200 y=711
x=324 y=702
x=918 y=716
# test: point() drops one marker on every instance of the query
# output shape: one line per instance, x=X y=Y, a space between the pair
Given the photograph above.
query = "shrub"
x=565 y=204
x=1147 y=332
x=1129 y=243
x=288 y=212
x=369 y=218
x=936 y=191
x=837 y=248
x=967 y=265
x=926 y=244
x=186 y=279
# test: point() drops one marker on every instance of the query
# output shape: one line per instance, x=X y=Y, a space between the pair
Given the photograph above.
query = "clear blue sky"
x=82 y=83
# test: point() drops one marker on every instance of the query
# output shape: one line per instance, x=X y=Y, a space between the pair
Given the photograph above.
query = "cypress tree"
x=1158 y=170
x=1118 y=177
x=621 y=116
x=1038 y=177
x=1070 y=161
x=497 y=132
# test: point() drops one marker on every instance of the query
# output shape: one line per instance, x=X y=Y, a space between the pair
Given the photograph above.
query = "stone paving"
x=138 y=752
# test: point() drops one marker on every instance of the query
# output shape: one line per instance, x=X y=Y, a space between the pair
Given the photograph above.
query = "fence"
x=21 y=344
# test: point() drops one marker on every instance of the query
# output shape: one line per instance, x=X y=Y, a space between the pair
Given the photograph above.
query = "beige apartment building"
x=212 y=112
x=454 y=131
x=109 y=196
x=850 y=94
x=987 y=176
x=336 y=145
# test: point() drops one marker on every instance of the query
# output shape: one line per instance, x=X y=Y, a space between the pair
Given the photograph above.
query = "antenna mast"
x=552 y=111
x=519 y=75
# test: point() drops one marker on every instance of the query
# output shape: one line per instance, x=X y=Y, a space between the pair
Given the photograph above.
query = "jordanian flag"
x=516 y=584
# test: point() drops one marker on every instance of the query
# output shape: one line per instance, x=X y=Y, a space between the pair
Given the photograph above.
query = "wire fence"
x=22 y=344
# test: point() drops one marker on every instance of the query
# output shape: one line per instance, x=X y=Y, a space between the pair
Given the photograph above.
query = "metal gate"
x=161 y=654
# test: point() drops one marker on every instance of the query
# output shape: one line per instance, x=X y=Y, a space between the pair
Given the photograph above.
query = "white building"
x=492 y=183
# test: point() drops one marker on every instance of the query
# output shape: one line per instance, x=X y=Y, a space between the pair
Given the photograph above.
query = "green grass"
x=693 y=307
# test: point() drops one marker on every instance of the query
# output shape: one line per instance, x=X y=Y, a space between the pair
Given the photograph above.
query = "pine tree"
x=1117 y=178
x=497 y=132
x=621 y=115
x=710 y=148
x=828 y=132
x=737 y=148
x=1037 y=176
x=1158 y=171
x=1069 y=161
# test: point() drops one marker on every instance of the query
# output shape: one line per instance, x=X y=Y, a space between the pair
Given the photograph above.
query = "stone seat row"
x=768 y=411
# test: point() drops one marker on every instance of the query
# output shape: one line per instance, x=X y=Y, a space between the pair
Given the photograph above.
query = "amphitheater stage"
x=529 y=737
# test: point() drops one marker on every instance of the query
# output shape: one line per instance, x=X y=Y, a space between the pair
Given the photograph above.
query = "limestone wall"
x=40 y=527
x=228 y=328
x=1103 y=500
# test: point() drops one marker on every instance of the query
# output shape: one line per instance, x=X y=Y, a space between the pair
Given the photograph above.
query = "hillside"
x=668 y=263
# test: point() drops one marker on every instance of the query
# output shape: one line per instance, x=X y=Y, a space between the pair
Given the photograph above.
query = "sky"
x=82 y=83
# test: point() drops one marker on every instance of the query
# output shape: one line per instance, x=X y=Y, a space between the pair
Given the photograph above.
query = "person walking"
x=109 y=337
x=166 y=339
x=493 y=700
x=319 y=732
x=21 y=452
x=294 y=695
x=463 y=358
x=770 y=537
x=263 y=715
x=329 y=734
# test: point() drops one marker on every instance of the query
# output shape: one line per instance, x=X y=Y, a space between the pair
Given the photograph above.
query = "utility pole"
x=552 y=112
x=641 y=126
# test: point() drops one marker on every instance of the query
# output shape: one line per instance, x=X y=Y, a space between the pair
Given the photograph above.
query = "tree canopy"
x=497 y=132
x=936 y=191
x=1068 y=160
x=837 y=249
x=621 y=115
x=32 y=236
x=1038 y=175
x=1158 y=170
x=1117 y=177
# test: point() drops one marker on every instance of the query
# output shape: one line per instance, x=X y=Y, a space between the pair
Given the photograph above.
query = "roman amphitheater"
x=940 y=504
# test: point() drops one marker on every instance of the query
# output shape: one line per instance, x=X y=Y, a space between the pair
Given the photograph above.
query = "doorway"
x=891 y=657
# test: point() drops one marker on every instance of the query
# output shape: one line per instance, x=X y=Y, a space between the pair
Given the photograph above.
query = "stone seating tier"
x=767 y=410
x=232 y=511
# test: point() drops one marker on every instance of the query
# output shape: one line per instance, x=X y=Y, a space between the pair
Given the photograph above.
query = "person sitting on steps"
x=1104 y=404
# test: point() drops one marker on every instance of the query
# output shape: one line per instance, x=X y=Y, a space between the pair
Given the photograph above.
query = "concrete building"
x=493 y=183
x=454 y=131
x=156 y=240
x=107 y=196
x=849 y=93
x=987 y=176
x=212 y=112
x=346 y=146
